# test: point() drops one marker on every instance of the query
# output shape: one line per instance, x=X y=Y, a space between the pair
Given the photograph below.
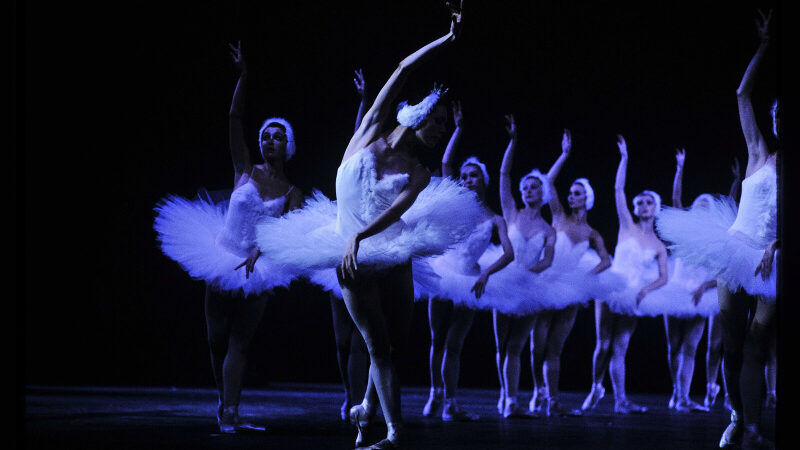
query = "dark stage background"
x=124 y=103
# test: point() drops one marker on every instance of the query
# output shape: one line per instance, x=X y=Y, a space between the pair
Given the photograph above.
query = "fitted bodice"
x=245 y=208
x=527 y=252
x=361 y=196
x=568 y=255
x=758 y=209
x=637 y=264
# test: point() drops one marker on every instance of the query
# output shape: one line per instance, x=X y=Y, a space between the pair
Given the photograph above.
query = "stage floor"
x=307 y=417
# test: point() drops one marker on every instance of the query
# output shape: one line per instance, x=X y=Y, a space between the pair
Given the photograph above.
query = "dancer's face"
x=273 y=143
x=577 y=196
x=433 y=127
x=472 y=178
x=646 y=205
x=532 y=191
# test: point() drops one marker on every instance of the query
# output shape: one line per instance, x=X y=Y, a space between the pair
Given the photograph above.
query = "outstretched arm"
x=508 y=255
x=661 y=256
x=239 y=151
x=506 y=197
x=756 y=146
x=373 y=120
x=737 y=179
x=566 y=146
x=677 y=183
x=623 y=214
x=361 y=89
x=697 y=295
x=447 y=158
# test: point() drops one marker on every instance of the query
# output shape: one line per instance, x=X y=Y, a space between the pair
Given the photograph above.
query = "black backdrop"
x=121 y=104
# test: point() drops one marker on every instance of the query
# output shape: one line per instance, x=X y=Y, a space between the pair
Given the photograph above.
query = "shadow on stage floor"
x=307 y=417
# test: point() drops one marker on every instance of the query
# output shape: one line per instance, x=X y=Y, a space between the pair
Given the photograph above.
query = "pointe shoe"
x=511 y=408
x=344 y=412
x=687 y=405
x=227 y=423
x=626 y=406
x=219 y=412
x=386 y=444
x=712 y=390
x=771 y=400
x=501 y=404
x=359 y=418
x=536 y=405
x=673 y=400
x=727 y=402
x=594 y=397
x=752 y=439
x=433 y=404
x=552 y=407
x=452 y=413
x=733 y=433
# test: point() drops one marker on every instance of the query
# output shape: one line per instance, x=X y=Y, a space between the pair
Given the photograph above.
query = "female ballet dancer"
x=533 y=241
x=580 y=251
x=218 y=246
x=386 y=212
x=741 y=252
x=641 y=258
x=462 y=287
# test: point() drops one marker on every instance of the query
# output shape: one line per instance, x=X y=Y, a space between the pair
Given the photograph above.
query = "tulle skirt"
x=187 y=231
x=700 y=237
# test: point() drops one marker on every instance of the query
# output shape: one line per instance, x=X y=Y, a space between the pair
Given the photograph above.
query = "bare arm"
x=677 y=183
x=698 y=293
x=566 y=146
x=361 y=89
x=239 y=151
x=662 y=276
x=508 y=255
x=447 y=158
x=295 y=200
x=549 y=252
x=418 y=180
x=597 y=243
x=757 y=151
x=737 y=180
x=623 y=214
x=506 y=196
x=373 y=120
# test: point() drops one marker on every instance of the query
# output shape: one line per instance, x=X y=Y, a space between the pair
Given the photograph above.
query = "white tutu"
x=306 y=239
x=701 y=237
x=425 y=280
x=189 y=231
x=638 y=267
x=675 y=298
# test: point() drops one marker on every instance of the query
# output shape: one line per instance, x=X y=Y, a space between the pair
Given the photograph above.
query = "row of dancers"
x=395 y=234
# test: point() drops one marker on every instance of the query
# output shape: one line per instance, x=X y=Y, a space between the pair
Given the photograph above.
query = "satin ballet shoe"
x=452 y=413
x=219 y=412
x=536 y=405
x=687 y=405
x=227 y=423
x=727 y=403
x=712 y=390
x=512 y=409
x=594 y=397
x=433 y=404
x=733 y=433
x=386 y=444
x=359 y=418
x=752 y=439
x=673 y=400
x=552 y=407
x=771 y=400
x=628 y=407
x=344 y=412
x=501 y=404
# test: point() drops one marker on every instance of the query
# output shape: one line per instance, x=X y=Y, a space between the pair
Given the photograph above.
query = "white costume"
x=209 y=240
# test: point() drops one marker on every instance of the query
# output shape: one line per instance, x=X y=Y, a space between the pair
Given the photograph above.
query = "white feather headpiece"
x=543 y=179
x=656 y=198
x=413 y=115
x=290 y=147
x=589 y=192
x=473 y=160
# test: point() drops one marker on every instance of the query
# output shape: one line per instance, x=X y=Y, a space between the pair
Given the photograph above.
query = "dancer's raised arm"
x=623 y=214
x=372 y=124
x=361 y=89
x=447 y=158
x=507 y=202
x=756 y=146
x=555 y=204
x=677 y=183
x=239 y=151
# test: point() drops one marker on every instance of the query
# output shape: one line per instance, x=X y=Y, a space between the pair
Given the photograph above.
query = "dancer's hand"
x=762 y=25
x=680 y=156
x=480 y=285
x=697 y=295
x=566 y=142
x=238 y=57
x=361 y=85
x=511 y=128
x=350 y=260
x=765 y=266
x=455 y=19
x=250 y=263
x=458 y=117
x=623 y=147
x=640 y=296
